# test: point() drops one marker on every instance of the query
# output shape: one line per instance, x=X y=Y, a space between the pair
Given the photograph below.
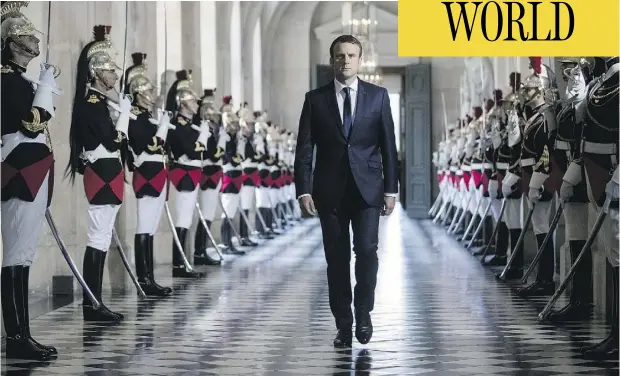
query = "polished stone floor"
x=438 y=312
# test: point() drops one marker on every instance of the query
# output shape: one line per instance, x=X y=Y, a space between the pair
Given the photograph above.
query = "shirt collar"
x=339 y=85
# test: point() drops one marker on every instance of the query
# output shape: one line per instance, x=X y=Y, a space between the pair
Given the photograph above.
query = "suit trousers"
x=352 y=211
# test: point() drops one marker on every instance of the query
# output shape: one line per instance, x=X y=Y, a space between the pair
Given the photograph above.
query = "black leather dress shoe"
x=363 y=329
x=344 y=338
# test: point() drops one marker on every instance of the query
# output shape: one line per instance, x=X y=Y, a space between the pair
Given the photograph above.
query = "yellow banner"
x=508 y=28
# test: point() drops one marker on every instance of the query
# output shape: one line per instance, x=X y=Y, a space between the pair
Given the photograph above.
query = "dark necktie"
x=346 y=112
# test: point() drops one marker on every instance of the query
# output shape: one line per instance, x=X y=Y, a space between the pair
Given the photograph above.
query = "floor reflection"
x=437 y=312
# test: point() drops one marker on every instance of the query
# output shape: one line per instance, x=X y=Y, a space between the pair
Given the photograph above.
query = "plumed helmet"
x=180 y=91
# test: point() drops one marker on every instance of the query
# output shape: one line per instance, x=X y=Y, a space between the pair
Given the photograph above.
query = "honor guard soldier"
x=233 y=176
x=27 y=174
x=569 y=115
x=187 y=145
x=599 y=150
x=263 y=205
x=211 y=178
x=96 y=146
x=290 y=181
x=489 y=188
x=508 y=171
x=273 y=140
x=147 y=161
x=281 y=179
x=537 y=172
x=251 y=177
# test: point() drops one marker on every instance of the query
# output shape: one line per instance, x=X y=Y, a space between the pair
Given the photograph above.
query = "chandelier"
x=365 y=30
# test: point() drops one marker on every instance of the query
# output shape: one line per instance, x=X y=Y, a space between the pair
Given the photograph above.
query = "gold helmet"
x=230 y=121
x=207 y=106
x=14 y=24
x=181 y=91
x=137 y=80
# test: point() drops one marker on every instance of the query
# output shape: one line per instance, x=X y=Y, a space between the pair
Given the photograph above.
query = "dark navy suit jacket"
x=369 y=152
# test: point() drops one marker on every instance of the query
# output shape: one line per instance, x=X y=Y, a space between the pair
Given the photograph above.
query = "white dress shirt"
x=340 y=96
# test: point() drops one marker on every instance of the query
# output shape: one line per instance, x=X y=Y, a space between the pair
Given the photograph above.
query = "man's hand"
x=306 y=204
x=388 y=208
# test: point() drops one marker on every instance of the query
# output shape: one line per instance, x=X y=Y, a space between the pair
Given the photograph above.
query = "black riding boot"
x=201 y=240
x=608 y=348
x=580 y=303
x=484 y=237
x=51 y=349
x=19 y=344
x=94 y=264
x=141 y=245
x=516 y=268
x=544 y=284
x=178 y=266
x=262 y=230
x=226 y=235
x=150 y=266
x=244 y=231
x=501 y=246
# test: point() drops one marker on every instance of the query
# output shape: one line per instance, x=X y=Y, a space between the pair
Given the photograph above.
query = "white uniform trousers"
x=209 y=201
x=230 y=202
x=185 y=204
x=262 y=197
x=22 y=223
x=101 y=220
x=576 y=220
x=513 y=213
x=149 y=212
x=541 y=217
x=247 y=196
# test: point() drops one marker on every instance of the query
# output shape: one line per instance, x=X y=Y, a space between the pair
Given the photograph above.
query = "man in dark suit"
x=354 y=182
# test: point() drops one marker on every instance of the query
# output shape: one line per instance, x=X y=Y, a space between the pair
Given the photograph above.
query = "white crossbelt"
x=528 y=162
x=599 y=148
x=562 y=145
x=502 y=165
x=100 y=152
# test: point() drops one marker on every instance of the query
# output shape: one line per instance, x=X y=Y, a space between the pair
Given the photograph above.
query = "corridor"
x=438 y=312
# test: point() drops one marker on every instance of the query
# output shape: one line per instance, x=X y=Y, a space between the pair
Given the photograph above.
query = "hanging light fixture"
x=365 y=30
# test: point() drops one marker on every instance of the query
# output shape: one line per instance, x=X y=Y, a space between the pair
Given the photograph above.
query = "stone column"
x=208 y=44
x=236 y=68
x=190 y=40
x=223 y=12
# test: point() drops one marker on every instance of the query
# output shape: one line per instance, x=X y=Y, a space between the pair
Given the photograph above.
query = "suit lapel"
x=332 y=104
x=359 y=103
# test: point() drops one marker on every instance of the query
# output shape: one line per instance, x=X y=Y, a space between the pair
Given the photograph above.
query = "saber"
x=544 y=314
x=230 y=222
x=517 y=247
x=435 y=204
x=444 y=206
x=554 y=223
x=451 y=207
x=482 y=218
x=209 y=234
x=121 y=253
x=438 y=202
x=456 y=223
x=470 y=226
x=462 y=219
x=67 y=256
x=247 y=221
x=495 y=232
x=261 y=219
x=276 y=218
